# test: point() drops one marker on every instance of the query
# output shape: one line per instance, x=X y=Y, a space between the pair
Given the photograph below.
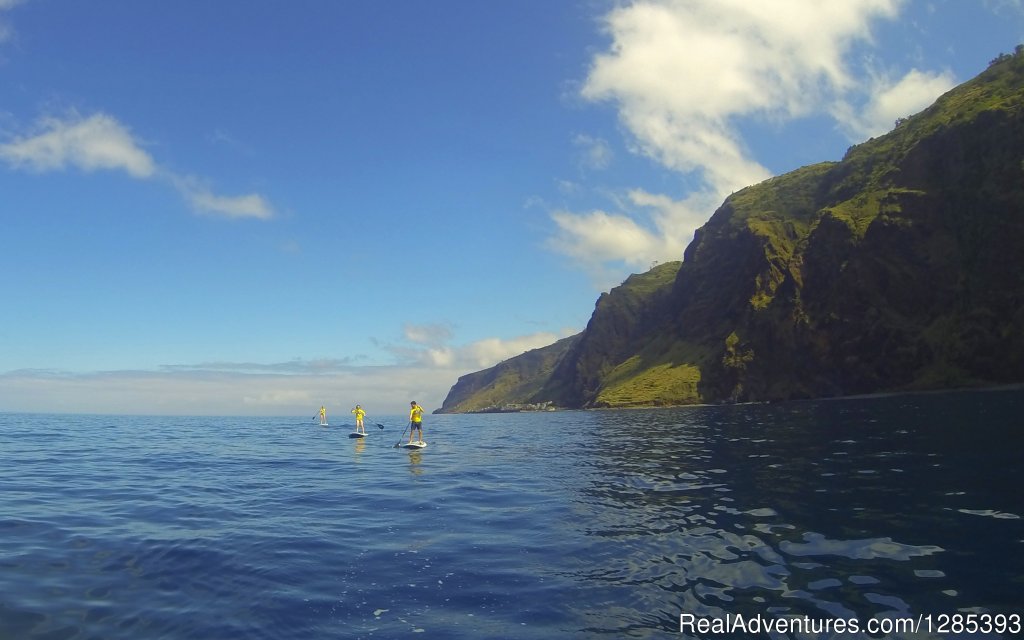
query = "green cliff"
x=899 y=268
x=515 y=381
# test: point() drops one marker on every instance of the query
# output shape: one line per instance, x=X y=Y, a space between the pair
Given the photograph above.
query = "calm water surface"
x=555 y=525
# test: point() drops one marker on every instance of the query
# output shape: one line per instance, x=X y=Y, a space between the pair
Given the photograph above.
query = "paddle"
x=381 y=426
x=401 y=437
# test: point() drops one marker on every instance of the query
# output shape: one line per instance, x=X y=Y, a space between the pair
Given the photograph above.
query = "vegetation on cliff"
x=900 y=267
x=512 y=382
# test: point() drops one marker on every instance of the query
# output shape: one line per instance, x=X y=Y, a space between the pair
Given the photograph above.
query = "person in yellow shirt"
x=323 y=415
x=415 y=421
x=360 y=414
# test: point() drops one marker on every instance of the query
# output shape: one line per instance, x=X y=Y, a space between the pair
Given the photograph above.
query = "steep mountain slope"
x=513 y=382
x=620 y=345
x=900 y=267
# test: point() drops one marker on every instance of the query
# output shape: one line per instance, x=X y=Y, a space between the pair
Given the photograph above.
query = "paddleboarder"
x=415 y=422
x=360 y=414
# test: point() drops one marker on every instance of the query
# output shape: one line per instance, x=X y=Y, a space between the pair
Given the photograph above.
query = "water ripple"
x=521 y=526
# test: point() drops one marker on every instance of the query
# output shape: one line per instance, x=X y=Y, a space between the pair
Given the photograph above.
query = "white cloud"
x=685 y=74
x=891 y=100
x=485 y=353
x=98 y=142
x=597 y=238
x=430 y=348
x=251 y=205
x=682 y=71
x=490 y=351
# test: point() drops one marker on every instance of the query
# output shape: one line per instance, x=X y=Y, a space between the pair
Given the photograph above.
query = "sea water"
x=533 y=525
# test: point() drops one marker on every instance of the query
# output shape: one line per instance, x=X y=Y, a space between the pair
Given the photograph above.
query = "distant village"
x=512 y=407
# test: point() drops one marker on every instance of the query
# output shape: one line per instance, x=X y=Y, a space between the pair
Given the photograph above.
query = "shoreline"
x=1014 y=386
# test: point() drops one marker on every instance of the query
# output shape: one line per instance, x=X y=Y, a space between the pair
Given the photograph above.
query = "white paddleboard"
x=414 y=445
x=356 y=434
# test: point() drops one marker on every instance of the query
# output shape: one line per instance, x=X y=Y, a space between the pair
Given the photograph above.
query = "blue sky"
x=260 y=207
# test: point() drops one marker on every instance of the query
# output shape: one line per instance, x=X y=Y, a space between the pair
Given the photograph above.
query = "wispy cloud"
x=96 y=143
x=684 y=75
x=6 y=31
x=1012 y=7
x=428 y=346
x=485 y=353
x=100 y=142
x=427 y=334
x=649 y=228
x=251 y=205
x=317 y=366
x=890 y=100
x=594 y=153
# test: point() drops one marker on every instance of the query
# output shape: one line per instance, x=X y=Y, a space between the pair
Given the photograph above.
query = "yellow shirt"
x=359 y=413
x=416 y=414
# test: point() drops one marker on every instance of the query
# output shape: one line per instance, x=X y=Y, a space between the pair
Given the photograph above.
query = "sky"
x=258 y=207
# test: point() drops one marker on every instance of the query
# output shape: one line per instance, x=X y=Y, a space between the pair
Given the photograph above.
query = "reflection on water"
x=827 y=509
x=415 y=460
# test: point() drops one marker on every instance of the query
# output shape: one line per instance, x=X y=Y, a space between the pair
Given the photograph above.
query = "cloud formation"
x=890 y=100
x=683 y=76
x=424 y=371
x=251 y=205
x=100 y=142
x=482 y=354
x=96 y=143
x=682 y=71
x=382 y=390
x=428 y=346
x=654 y=228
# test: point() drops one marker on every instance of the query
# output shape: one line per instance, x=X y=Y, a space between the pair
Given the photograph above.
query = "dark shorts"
x=416 y=425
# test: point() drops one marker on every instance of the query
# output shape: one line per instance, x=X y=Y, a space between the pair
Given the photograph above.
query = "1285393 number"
x=974 y=623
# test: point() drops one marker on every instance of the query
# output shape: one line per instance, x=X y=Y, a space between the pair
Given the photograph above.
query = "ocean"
x=580 y=524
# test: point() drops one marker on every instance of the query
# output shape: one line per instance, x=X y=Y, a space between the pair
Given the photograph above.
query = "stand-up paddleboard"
x=414 y=445
x=356 y=434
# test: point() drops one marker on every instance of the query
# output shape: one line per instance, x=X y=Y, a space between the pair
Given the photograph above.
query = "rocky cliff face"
x=900 y=267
